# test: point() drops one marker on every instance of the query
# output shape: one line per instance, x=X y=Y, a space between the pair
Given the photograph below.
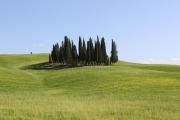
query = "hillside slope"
x=124 y=91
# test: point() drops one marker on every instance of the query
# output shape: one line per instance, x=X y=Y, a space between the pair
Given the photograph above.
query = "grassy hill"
x=124 y=91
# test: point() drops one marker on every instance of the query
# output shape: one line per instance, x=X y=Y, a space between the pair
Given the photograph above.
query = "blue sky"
x=143 y=29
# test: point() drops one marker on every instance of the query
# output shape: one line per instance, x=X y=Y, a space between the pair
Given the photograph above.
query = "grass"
x=124 y=91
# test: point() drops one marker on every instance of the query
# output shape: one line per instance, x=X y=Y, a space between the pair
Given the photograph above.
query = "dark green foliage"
x=50 y=59
x=84 y=52
x=67 y=50
x=103 y=51
x=91 y=50
x=55 y=53
x=99 y=52
x=114 y=56
x=107 y=62
x=95 y=52
x=61 y=54
x=80 y=50
x=88 y=53
x=67 y=53
x=74 y=55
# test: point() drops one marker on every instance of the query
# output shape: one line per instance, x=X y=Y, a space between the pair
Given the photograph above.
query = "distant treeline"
x=90 y=53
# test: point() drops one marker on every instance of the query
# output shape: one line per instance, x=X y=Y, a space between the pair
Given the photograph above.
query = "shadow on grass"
x=56 y=66
x=47 y=66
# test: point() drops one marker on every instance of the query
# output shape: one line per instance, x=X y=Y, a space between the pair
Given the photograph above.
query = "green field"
x=124 y=91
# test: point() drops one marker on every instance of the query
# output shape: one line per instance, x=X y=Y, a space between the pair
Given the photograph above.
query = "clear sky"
x=143 y=29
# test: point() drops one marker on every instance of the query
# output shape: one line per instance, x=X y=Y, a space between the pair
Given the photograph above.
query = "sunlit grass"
x=124 y=91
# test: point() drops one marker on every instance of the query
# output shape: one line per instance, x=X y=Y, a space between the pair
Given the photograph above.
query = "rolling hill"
x=123 y=91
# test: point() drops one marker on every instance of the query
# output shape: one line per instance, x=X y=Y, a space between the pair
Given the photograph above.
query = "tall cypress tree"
x=84 y=52
x=61 y=54
x=112 y=52
x=74 y=55
x=55 y=53
x=88 y=53
x=96 y=53
x=67 y=50
x=114 y=56
x=91 y=50
x=80 y=50
x=103 y=50
x=57 y=50
x=99 y=53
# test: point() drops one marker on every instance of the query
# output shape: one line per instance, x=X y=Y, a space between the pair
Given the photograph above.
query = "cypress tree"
x=96 y=53
x=114 y=56
x=74 y=55
x=57 y=51
x=103 y=50
x=112 y=52
x=61 y=54
x=91 y=50
x=52 y=54
x=67 y=50
x=80 y=50
x=99 y=53
x=88 y=53
x=84 y=52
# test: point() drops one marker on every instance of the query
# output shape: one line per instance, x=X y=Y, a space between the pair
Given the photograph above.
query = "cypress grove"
x=87 y=54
